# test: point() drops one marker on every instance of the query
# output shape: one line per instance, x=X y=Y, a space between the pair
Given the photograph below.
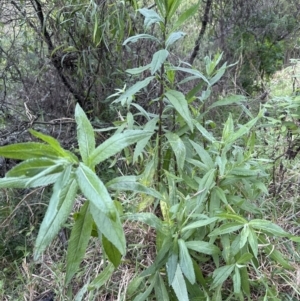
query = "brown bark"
x=205 y=20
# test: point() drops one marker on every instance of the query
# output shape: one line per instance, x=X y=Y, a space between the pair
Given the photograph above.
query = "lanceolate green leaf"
x=245 y=172
x=179 y=102
x=221 y=194
x=158 y=59
x=221 y=162
x=54 y=169
x=211 y=64
x=202 y=247
x=23 y=182
x=133 y=286
x=13 y=182
x=228 y=129
x=179 y=285
x=95 y=191
x=243 y=236
x=151 y=16
x=97 y=33
x=172 y=262
x=236 y=281
x=126 y=97
x=207 y=135
x=269 y=227
x=138 y=70
x=81 y=293
x=252 y=239
x=233 y=99
x=245 y=281
x=60 y=206
x=221 y=274
x=110 y=228
x=273 y=253
x=130 y=183
x=232 y=216
x=191 y=94
x=174 y=36
x=161 y=292
x=188 y=13
x=206 y=183
x=172 y=7
x=135 y=38
x=191 y=71
x=55 y=145
x=227 y=252
x=226 y=228
x=218 y=75
x=203 y=154
x=111 y=251
x=144 y=113
x=185 y=261
x=143 y=296
x=147 y=218
x=85 y=135
x=199 y=223
x=31 y=167
x=214 y=203
x=141 y=144
x=197 y=163
x=162 y=6
x=178 y=148
x=29 y=150
x=78 y=241
x=116 y=143
x=244 y=129
x=43 y=180
x=246 y=257
x=161 y=257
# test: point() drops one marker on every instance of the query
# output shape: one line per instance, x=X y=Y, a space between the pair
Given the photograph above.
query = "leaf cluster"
x=48 y=163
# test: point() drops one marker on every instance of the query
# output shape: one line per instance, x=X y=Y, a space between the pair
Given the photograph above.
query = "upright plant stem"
x=161 y=108
x=160 y=133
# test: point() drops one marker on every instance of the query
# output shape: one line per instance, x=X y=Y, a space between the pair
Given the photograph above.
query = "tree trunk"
x=202 y=31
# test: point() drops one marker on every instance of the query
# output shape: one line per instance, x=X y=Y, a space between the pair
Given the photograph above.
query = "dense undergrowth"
x=269 y=280
x=194 y=207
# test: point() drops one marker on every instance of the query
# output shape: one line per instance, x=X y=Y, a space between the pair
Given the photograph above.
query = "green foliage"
x=46 y=163
x=209 y=186
x=205 y=187
x=282 y=115
x=80 y=39
x=266 y=56
x=254 y=34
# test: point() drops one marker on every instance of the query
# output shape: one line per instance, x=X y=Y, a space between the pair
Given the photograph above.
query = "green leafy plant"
x=203 y=188
x=48 y=163
x=210 y=186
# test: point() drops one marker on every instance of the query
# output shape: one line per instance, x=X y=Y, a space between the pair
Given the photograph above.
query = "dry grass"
x=24 y=279
x=286 y=81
